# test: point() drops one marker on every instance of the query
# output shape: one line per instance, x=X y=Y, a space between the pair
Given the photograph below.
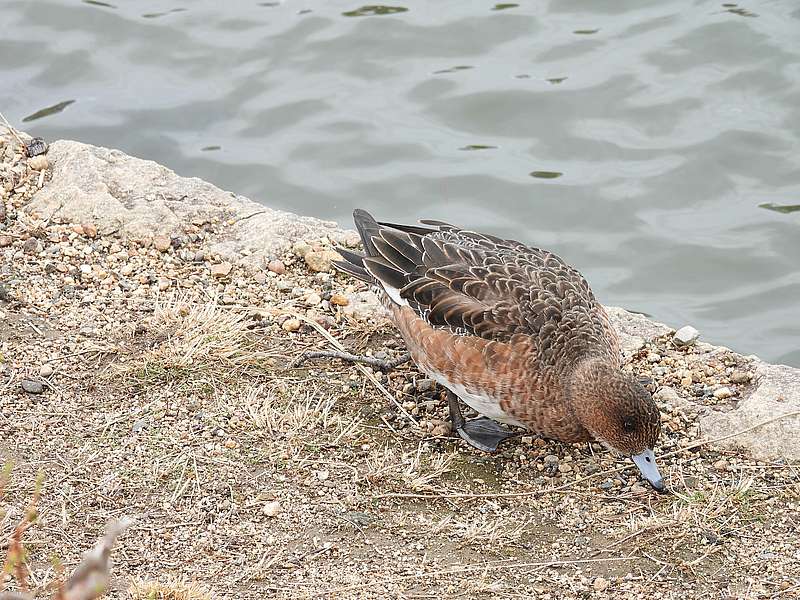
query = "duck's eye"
x=628 y=425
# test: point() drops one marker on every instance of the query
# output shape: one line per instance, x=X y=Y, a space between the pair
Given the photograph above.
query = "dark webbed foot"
x=481 y=433
x=385 y=365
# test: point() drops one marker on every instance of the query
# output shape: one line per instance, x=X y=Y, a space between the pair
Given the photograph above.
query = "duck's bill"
x=646 y=461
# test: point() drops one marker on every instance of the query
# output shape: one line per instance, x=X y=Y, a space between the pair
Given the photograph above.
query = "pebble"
x=38 y=163
x=260 y=278
x=721 y=465
x=221 y=269
x=230 y=444
x=686 y=336
x=5 y=241
x=424 y=385
x=740 y=377
x=32 y=246
x=32 y=387
x=441 y=429
x=291 y=325
x=277 y=266
x=313 y=299
x=565 y=468
x=653 y=358
x=722 y=393
x=46 y=370
x=162 y=243
x=89 y=230
x=301 y=248
x=321 y=260
x=272 y=509
x=600 y=584
x=339 y=300
x=164 y=284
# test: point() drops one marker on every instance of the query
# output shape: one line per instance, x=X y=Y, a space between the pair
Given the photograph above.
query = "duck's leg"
x=385 y=365
x=481 y=433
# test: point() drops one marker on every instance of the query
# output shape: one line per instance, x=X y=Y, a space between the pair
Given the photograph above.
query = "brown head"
x=616 y=409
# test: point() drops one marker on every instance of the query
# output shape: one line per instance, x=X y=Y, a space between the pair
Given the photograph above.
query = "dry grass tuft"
x=197 y=344
x=168 y=589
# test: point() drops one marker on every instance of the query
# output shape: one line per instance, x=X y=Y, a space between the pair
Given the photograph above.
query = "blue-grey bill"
x=646 y=461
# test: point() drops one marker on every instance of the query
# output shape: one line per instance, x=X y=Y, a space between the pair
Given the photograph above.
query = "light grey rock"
x=32 y=387
x=776 y=392
x=142 y=199
x=634 y=329
x=364 y=305
x=686 y=336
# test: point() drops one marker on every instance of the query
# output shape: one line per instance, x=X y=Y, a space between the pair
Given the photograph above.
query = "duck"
x=510 y=330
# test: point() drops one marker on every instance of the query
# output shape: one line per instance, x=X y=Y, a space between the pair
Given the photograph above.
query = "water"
x=654 y=145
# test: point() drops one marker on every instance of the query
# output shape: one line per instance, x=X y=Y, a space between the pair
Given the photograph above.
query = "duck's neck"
x=589 y=384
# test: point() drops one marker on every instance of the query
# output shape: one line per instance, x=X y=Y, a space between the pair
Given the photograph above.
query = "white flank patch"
x=484 y=404
x=392 y=292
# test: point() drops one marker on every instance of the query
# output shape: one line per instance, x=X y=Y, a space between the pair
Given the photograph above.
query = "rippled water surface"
x=654 y=145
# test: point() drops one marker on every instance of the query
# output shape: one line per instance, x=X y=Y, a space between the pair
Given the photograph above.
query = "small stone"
x=272 y=509
x=32 y=387
x=339 y=300
x=721 y=465
x=162 y=243
x=32 y=246
x=323 y=475
x=722 y=393
x=164 y=284
x=321 y=260
x=565 y=468
x=301 y=248
x=638 y=489
x=221 y=269
x=686 y=381
x=313 y=299
x=230 y=444
x=424 y=385
x=277 y=266
x=740 y=377
x=686 y=336
x=76 y=228
x=38 y=163
x=653 y=358
x=89 y=230
x=551 y=459
x=600 y=584
x=5 y=241
x=260 y=278
x=291 y=325
x=45 y=370
x=441 y=429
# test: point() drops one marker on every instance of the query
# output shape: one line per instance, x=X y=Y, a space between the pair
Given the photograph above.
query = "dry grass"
x=168 y=589
x=197 y=345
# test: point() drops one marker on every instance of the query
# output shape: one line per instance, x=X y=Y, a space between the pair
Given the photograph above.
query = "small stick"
x=384 y=365
x=324 y=333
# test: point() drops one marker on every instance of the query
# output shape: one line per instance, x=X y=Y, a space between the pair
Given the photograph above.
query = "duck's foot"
x=481 y=433
x=385 y=365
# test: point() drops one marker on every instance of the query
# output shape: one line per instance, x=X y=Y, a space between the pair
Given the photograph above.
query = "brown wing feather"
x=476 y=284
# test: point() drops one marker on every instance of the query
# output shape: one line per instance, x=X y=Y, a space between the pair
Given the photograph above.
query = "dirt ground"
x=150 y=380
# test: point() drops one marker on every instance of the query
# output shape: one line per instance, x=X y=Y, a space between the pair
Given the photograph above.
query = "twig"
x=324 y=333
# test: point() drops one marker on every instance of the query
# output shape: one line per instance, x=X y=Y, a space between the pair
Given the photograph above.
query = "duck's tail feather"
x=353 y=264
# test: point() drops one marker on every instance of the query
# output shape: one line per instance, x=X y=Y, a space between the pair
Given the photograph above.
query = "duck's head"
x=619 y=412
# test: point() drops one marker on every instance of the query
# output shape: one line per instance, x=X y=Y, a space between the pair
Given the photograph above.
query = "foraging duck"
x=513 y=331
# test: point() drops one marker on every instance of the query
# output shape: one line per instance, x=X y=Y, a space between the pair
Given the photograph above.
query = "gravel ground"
x=148 y=378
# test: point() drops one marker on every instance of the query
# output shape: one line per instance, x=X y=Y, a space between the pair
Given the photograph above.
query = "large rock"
x=634 y=329
x=757 y=423
x=141 y=198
